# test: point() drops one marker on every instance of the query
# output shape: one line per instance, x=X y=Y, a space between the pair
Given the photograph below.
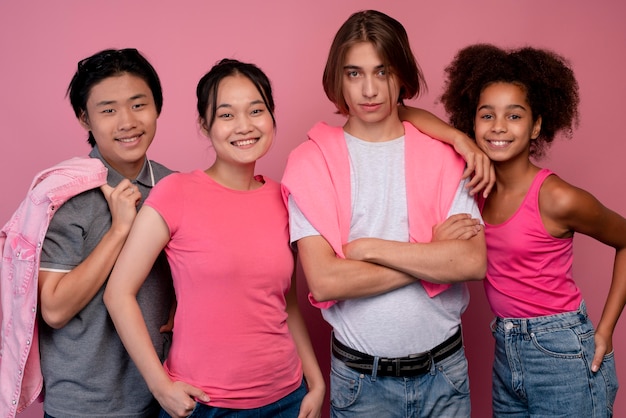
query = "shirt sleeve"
x=299 y=225
x=464 y=203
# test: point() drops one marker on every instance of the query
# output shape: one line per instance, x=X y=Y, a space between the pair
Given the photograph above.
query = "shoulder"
x=160 y=170
x=560 y=200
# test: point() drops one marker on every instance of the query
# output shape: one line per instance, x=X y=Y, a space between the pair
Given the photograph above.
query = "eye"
x=257 y=111
x=486 y=117
x=225 y=115
x=352 y=73
x=138 y=105
x=515 y=117
x=107 y=111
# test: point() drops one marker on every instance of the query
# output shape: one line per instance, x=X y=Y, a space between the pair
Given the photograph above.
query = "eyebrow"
x=356 y=67
x=130 y=99
x=509 y=107
x=252 y=103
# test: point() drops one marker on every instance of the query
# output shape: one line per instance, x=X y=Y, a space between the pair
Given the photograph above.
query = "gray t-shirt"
x=406 y=320
x=87 y=371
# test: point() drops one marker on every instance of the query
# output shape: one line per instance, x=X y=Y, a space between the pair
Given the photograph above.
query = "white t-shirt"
x=406 y=320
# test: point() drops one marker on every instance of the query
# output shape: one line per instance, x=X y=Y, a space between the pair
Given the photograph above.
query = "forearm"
x=63 y=295
x=300 y=334
x=447 y=261
x=131 y=327
x=431 y=125
x=616 y=299
x=332 y=278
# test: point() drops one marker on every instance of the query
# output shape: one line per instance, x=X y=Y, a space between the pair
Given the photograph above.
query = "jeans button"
x=508 y=325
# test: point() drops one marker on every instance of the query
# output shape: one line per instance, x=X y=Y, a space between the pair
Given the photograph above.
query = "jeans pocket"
x=609 y=374
x=454 y=370
x=561 y=343
x=345 y=385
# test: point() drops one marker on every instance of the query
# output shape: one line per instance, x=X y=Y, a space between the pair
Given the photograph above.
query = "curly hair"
x=547 y=78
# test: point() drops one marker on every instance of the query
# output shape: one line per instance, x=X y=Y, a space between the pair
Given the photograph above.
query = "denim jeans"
x=542 y=368
x=287 y=407
x=442 y=392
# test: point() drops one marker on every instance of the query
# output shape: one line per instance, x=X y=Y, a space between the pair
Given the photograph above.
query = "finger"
x=597 y=359
x=106 y=190
x=469 y=168
x=492 y=181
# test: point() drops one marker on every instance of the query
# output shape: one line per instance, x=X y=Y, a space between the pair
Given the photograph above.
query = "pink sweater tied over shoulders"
x=317 y=175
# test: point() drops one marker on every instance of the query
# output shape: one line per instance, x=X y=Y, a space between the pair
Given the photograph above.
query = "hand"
x=311 y=406
x=169 y=325
x=179 y=398
x=484 y=175
x=459 y=226
x=356 y=250
x=122 y=201
x=604 y=345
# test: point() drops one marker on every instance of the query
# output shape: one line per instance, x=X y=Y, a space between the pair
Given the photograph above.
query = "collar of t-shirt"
x=145 y=177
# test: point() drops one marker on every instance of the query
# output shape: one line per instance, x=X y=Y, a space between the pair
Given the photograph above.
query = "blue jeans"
x=542 y=368
x=287 y=407
x=442 y=392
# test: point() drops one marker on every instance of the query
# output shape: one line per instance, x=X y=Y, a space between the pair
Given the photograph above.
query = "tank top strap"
x=533 y=192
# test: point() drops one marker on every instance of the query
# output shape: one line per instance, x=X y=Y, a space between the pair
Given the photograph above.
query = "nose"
x=370 y=88
x=499 y=125
x=244 y=124
x=126 y=119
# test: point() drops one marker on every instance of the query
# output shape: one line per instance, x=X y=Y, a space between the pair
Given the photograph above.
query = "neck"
x=239 y=177
x=511 y=175
x=385 y=130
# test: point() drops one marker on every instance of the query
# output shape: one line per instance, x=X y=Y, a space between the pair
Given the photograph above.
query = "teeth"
x=499 y=143
x=244 y=143
x=134 y=138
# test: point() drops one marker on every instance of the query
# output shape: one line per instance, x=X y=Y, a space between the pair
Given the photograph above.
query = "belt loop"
x=583 y=309
x=524 y=326
x=375 y=368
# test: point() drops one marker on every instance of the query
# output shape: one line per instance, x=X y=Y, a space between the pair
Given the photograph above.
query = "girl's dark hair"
x=390 y=40
x=206 y=92
x=111 y=63
x=546 y=77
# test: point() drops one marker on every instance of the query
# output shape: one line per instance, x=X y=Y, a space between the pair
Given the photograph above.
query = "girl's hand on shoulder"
x=312 y=402
x=179 y=398
x=479 y=166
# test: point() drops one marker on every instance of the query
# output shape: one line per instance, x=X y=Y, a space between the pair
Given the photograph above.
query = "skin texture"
x=241 y=133
x=122 y=116
x=505 y=127
x=373 y=266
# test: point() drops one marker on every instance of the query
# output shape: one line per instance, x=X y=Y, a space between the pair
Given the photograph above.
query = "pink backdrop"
x=41 y=41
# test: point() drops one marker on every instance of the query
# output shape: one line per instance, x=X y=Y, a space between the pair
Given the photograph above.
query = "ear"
x=536 y=128
x=203 y=126
x=83 y=119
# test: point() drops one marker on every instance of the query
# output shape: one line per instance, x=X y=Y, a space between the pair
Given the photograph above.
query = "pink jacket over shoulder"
x=21 y=241
x=318 y=177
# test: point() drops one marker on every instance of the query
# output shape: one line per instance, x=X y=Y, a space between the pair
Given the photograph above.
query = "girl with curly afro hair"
x=549 y=359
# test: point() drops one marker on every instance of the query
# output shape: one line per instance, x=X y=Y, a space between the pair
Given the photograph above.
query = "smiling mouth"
x=129 y=140
x=499 y=143
x=244 y=142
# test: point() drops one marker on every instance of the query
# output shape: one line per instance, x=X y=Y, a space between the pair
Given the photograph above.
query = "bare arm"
x=62 y=295
x=478 y=163
x=332 y=278
x=567 y=209
x=147 y=238
x=311 y=406
x=446 y=261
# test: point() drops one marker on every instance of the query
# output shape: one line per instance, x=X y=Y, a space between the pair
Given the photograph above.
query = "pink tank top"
x=529 y=272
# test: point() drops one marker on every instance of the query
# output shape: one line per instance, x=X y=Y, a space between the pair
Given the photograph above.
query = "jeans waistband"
x=412 y=365
x=541 y=323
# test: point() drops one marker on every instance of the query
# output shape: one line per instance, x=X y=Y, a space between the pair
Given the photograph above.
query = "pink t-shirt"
x=232 y=266
x=529 y=272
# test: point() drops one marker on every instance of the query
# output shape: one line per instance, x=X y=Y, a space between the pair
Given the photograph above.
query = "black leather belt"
x=412 y=365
